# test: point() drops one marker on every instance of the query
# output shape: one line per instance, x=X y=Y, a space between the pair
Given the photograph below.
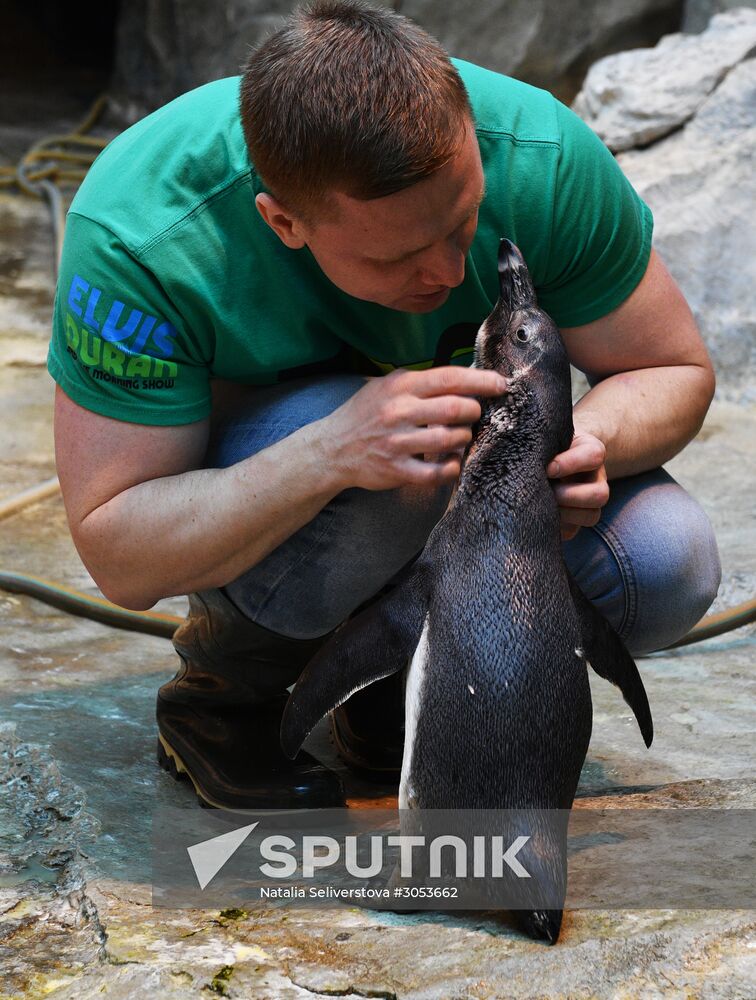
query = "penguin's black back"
x=506 y=709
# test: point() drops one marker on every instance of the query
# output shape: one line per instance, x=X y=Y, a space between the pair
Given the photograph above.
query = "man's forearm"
x=645 y=417
x=201 y=529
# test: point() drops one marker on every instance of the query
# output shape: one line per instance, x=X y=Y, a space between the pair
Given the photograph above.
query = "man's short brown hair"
x=351 y=98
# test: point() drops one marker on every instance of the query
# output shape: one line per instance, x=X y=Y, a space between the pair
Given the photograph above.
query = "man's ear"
x=287 y=227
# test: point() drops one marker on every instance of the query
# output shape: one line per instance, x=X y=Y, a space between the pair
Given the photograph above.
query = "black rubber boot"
x=219 y=718
x=368 y=730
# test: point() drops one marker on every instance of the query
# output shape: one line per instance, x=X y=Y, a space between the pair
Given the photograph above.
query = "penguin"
x=498 y=635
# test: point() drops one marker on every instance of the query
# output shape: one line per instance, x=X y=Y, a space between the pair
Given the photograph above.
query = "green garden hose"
x=86 y=606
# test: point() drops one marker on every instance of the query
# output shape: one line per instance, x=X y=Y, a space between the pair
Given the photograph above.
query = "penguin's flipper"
x=608 y=656
x=374 y=644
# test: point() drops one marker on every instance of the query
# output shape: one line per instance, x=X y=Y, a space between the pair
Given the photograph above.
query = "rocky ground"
x=79 y=781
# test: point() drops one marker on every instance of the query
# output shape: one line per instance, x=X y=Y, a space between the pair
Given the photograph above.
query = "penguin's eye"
x=522 y=335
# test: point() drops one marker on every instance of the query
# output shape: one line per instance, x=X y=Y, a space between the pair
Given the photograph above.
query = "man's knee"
x=677 y=582
x=651 y=564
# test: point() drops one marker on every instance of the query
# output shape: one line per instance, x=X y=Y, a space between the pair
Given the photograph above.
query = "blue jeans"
x=650 y=565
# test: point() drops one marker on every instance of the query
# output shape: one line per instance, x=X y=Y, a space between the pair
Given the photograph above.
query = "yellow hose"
x=47 y=164
x=27 y=497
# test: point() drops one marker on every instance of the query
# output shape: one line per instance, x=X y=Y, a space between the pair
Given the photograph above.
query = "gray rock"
x=698 y=13
x=165 y=47
x=547 y=43
x=701 y=186
x=636 y=97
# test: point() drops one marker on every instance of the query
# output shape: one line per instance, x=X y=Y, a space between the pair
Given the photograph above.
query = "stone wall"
x=165 y=47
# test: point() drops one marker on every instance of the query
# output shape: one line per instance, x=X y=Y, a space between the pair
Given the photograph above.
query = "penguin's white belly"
x=413 y=694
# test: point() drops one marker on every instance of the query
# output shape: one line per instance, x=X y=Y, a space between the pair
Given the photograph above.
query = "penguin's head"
x=518 y=339
x=523 y=343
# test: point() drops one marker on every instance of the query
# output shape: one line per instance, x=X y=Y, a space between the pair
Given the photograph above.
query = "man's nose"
x=443 y=265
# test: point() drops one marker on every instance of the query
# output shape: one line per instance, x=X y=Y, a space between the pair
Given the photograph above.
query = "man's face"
x=407 y=250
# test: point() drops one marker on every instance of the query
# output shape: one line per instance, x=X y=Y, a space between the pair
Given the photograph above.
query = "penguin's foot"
x=541 y=925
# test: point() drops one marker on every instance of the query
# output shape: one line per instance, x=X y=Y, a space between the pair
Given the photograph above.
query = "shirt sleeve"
x=601 y=230
x=118 y=345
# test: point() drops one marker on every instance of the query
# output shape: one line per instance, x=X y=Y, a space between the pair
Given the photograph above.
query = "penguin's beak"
x=516 y=289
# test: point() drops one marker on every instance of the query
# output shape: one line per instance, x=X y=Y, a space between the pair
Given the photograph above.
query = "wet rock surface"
x=78 y=779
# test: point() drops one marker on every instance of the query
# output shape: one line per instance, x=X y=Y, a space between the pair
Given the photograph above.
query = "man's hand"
x=581 y=487
x=378 y=438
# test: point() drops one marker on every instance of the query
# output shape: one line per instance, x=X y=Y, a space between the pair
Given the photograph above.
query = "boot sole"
x=172 y=763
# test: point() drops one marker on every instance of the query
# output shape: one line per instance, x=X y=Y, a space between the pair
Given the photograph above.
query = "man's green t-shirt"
x=170 y=277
